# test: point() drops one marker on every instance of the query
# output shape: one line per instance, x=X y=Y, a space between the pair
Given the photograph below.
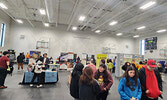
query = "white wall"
x=5 y=19
x=161 y=43
x=65 y=41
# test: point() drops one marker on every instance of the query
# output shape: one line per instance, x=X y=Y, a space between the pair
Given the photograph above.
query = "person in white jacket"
x=37 y=69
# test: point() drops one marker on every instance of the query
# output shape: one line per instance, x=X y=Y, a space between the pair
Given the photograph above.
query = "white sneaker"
x=31 y=85
x=38 y=86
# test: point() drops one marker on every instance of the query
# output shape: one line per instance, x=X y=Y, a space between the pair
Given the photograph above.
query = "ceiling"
x=99 y=13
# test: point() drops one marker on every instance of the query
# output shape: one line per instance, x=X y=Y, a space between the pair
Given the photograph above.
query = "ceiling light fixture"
x=160 y=31
x=119 y=34
x=82 y=18
x=113 y=23
x=46 y=24
x=19 y=21
x=74 y=28
x=147 y=5
x=136 y=36
x=142 y=27
x=42 y=11
x=97 y=31
x=3 y=6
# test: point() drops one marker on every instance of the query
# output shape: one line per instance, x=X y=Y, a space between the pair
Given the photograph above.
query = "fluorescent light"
x=160 y=31
x=19 y=21
x=3 y=6
x=82 y=18
x=136 y=36
x=42 y=11
x=147 y=5
x=46 y=24
x=74 y=28
x=97 y=31
x=119 y=34
x=142 y=27
x=113 y=23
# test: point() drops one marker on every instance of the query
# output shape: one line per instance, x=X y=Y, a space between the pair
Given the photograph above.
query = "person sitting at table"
x=31 y=63
x=37 y=74
x=45 y=61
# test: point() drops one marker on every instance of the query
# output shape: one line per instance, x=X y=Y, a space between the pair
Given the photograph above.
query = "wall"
x=4 y=18
x=61 y=40
x=161 y=43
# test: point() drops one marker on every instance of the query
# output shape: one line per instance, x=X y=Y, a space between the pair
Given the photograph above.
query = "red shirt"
x=3 y=61
x=151 y=84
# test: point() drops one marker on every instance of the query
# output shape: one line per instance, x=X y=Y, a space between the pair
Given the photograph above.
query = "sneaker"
x=3 y=87
x=38 y=86
x=31 y=85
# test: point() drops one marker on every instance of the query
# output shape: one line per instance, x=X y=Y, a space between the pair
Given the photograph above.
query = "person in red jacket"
x=151 y=81
x=105 y=81
x=4 y=62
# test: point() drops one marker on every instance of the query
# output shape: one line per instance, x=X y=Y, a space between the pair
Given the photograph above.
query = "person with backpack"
x=88 y=86
x=129 y=86
x=74 y=85
x=105 y=81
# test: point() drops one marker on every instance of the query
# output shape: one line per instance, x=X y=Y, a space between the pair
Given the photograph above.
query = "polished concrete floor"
x=58 y=91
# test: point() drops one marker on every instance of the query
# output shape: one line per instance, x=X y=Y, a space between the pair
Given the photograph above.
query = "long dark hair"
x=77 y=70
x=87 y=76
x=105 y=73
x=126 y=75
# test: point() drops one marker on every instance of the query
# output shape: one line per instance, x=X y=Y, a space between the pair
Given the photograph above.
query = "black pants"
x=3 y=73
x=38 y=75
x=151 y=99
x=102 y=95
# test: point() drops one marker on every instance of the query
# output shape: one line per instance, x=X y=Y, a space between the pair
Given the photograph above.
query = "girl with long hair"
x=129 y=86
x=105 y=81
x=88 y=87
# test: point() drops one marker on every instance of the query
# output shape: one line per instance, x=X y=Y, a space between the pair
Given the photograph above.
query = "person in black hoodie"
x=74 y=85
x=88 y=87
x=125 y=66
x=20 y=61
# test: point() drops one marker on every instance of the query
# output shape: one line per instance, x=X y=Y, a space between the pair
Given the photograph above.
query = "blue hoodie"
x=126 y=93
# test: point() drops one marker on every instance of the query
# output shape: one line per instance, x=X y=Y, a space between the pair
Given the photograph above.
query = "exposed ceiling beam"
x=74 y=10
x=107 y=21
x=97 y=13
x=49 y=9
x=57 y=11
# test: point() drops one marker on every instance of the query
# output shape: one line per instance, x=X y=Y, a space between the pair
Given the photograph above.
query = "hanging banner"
x=99 y=57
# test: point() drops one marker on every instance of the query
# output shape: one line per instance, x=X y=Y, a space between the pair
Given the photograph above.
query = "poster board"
x=99 y=57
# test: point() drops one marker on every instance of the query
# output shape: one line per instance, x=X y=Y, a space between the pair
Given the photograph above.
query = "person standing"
x=45 y=61
x=105 y=81
x=129 y=86
x=88 y=86
x=151 y=81
x=92 y=66
x=4 y=63
x=74 y=85
x=20 y=61
x=110 y=65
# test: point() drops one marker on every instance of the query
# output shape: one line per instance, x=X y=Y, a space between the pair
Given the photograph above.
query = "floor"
x=58 y=91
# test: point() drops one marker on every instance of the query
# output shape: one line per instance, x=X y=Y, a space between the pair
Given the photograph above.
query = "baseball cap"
x=151 y=63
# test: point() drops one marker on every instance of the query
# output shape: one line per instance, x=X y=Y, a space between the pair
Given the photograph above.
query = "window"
x=2 y=35
x=142 y=47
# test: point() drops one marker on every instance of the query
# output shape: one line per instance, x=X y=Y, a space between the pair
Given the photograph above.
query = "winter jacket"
x=89 y=92
x=126 y=93
x=142 y=77
x=74 y=85
x=20 y=58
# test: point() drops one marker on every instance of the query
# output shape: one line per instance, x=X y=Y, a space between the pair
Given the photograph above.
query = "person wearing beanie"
x=4 y=63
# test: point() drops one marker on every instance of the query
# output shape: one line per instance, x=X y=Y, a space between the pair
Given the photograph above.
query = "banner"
x=99 y=57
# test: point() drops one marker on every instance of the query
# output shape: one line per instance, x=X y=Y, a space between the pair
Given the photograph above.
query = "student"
x=110 y=65
x=37 y=74
x=129 y=86
x=74 y=85
x=140 y=65
x=105 y=81
x=151 y=81
x=4 y=63
x=125 y=66
x=92 y=66
x=88 y=87
x=20 y=61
